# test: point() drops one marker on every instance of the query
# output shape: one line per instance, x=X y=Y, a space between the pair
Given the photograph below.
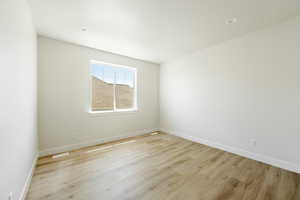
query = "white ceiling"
x=155 y=30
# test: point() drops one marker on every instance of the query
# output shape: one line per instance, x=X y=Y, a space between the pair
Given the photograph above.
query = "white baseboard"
x=71 y=147
x=255 y=156
x=28 y=179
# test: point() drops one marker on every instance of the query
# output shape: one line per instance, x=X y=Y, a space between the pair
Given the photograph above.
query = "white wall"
x=244 y=89
x=18 y=138
x=64 y=121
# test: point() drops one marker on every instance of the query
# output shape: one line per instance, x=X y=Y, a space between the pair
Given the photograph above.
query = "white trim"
x=71 y=147
x=28 y=179
x=111 y=112
x=255 y=156
x=114 y=89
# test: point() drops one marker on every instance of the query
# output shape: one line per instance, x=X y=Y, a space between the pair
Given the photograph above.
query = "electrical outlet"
x=10 y=196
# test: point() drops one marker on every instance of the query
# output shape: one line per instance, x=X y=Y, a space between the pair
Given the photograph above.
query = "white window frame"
x=115 y=110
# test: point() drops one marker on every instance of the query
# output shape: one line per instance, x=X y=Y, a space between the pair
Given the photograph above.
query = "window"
x=113 y=87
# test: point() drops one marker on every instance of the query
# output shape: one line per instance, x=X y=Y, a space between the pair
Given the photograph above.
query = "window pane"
x=125 y=88
x=113 y=87
x=102 y=87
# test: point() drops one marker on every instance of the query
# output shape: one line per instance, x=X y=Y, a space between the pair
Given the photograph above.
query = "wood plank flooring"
x=159 y=167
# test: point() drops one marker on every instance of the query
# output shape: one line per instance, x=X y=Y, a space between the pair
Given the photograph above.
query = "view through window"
x=113 y=87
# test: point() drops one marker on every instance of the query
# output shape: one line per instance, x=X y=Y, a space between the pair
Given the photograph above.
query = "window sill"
x=112 y=113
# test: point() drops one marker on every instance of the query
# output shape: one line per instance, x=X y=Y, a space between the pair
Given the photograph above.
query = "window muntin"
x=113 y=87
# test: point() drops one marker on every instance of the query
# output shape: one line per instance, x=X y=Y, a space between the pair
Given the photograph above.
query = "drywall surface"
x=243 y=94
x=18 y=136
x=64 y=98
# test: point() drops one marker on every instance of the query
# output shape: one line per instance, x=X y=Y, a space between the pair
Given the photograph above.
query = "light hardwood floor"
x=159 y=167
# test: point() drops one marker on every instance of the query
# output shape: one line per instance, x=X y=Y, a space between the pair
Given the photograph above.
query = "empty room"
x=150 y=100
